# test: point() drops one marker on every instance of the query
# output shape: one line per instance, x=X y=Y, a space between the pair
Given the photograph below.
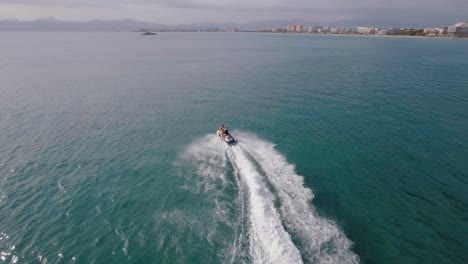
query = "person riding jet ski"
x=223 y=133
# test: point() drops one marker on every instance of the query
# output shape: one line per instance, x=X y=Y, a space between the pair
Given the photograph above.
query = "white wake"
x=258 y=166
x=269 y=242
x=322 y=240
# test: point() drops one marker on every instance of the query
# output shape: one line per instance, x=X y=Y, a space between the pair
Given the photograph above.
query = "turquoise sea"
x=351 y=149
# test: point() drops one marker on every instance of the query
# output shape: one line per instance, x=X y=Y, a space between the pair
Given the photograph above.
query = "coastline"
x=341 y=35
x=368 y=35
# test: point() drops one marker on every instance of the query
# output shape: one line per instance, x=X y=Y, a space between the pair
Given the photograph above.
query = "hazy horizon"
x=383 y=12
x=52 y=23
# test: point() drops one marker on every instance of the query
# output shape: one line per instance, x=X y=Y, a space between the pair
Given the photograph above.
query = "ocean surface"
x=350 y=149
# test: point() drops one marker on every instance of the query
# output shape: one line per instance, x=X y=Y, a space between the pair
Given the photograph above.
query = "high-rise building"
x=299 y=28
x=291 y=28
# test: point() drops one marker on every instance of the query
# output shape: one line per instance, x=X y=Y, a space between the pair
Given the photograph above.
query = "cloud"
x=243 y=4
x=187 y=11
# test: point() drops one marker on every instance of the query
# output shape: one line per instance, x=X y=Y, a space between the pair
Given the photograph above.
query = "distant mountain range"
x=52 y=24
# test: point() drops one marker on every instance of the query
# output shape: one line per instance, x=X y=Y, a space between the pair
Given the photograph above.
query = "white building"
x=326 y=29
x=365 y=30
x=458 y=30
x=381 y=32
x=433 y=32
x=441 y=31
x=315 y=29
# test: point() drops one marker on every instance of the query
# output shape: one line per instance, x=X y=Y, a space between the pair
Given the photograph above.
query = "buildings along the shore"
x=458 y=30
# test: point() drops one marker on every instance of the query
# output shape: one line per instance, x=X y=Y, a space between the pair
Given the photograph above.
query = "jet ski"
x=224 y=135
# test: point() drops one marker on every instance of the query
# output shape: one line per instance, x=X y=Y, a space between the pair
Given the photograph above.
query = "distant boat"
x=147 y=33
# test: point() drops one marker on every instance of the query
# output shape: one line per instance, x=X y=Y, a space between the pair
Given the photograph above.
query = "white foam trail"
x=269 y=242
x=321 y=240
x=317 y=239
x=208 y=157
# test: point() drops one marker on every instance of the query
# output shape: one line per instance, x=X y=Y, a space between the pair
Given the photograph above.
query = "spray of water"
x=321 y=240
x=264 y=176
x=269 y=242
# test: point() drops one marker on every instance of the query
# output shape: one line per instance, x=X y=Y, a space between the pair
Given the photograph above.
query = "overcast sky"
x=414 y=12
